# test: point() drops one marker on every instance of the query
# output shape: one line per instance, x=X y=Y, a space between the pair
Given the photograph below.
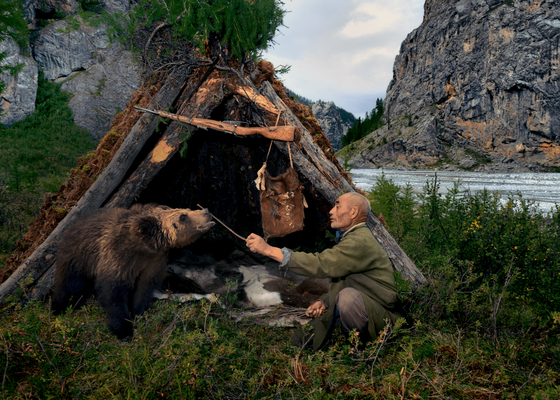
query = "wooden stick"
x=225 y=226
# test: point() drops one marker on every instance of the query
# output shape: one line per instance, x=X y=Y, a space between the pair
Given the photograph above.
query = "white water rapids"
x=542 y=188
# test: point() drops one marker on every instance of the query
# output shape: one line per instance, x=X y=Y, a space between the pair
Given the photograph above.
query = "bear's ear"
x=149 y=229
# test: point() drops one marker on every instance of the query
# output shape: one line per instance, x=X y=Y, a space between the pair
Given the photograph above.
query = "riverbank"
x=540 y=188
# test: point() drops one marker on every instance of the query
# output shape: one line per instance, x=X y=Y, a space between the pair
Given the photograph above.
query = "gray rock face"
x=60 y=49
x=18 y=98
x=31 y=8
x=100 y=74
x=328 y=117
x=116 y=5
x=488 y=71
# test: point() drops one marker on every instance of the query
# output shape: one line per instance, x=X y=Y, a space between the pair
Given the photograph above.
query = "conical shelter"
x=149 y=159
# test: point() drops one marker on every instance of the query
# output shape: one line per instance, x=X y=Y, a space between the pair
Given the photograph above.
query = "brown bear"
x=121 y=256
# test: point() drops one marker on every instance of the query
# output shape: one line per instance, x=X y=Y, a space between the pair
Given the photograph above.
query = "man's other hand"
x=316 y=309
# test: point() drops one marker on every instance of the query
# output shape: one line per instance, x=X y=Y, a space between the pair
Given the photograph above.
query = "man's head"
x=349 y=209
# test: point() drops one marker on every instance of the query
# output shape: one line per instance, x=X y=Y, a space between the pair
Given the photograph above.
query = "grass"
x=477 y=332
x=196 y=350
x=36 y=154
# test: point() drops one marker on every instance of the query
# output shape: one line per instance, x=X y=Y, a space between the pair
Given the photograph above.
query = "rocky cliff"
x=18 y=98
x=328 y=116
x=478 y=77
x=75 y=52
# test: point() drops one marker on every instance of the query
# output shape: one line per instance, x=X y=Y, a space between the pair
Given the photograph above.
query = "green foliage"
x=245 y=26
x=346 y=116
x=36 y=154
x=395 y=204
x=363 y=128
x=491 y=246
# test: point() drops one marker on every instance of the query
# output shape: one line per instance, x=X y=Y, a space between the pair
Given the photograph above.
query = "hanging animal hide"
x=282 y=202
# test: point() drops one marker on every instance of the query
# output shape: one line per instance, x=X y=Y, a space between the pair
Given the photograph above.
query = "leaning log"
x=196 y=106
x=34 y=268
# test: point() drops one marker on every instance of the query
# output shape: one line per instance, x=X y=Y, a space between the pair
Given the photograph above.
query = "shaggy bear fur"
x=120 y=255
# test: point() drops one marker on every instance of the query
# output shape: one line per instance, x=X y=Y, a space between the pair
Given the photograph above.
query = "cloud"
x=343 y=51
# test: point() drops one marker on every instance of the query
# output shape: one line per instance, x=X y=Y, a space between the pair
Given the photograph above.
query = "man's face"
x=341 y=218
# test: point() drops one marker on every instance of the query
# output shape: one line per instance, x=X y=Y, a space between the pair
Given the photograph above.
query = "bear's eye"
x=183 y=217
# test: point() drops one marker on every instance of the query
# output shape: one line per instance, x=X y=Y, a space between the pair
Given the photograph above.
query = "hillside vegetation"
x=36 y=154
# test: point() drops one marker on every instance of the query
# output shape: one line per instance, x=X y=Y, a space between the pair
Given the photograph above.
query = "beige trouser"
x=351 y=309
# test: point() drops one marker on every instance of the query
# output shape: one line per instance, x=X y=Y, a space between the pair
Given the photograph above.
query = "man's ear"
x=354 y=212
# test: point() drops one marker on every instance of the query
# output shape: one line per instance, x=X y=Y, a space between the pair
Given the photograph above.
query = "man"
x=362 y=291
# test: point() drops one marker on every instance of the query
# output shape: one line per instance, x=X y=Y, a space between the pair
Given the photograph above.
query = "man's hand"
x=316 y=309
x=256 y=244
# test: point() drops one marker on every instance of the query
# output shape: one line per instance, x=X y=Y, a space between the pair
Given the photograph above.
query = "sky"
x=343 y=51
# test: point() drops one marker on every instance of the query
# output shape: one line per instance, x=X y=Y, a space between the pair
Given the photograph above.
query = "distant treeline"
x=362 y=128
x=346 y=116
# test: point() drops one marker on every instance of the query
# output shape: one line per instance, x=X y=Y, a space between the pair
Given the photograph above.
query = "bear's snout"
x=206 y=222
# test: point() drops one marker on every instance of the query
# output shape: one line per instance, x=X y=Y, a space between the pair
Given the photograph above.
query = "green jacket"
x=359 y=262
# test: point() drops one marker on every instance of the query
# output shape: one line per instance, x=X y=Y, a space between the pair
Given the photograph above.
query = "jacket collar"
x=341 y=234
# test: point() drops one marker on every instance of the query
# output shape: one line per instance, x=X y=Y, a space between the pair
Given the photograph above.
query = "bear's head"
x=168 y=228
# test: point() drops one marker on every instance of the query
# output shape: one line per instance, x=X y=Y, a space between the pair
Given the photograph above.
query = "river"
x=542 y=188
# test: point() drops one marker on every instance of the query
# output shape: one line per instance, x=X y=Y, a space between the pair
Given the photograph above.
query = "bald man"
x=362 y=291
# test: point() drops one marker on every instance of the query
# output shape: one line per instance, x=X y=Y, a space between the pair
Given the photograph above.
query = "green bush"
x=246 y=27
x=485 y=244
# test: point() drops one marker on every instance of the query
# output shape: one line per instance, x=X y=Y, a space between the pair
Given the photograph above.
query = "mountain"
x=475 y=86
x=334 y=121
x=329 y=117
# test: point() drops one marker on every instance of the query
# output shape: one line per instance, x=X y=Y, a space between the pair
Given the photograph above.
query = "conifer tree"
x=362 y=128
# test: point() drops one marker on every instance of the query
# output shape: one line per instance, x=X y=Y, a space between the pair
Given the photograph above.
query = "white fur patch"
x=253 y=282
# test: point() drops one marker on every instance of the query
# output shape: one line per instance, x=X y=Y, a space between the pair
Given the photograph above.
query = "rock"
x=61 y=49
x=100 y=74
x=328 y=117
x=18 y=98
x=116 y=5
x=46 y=9
x=488 y=70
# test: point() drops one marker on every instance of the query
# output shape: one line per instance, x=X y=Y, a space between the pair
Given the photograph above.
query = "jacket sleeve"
x=354 y=254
